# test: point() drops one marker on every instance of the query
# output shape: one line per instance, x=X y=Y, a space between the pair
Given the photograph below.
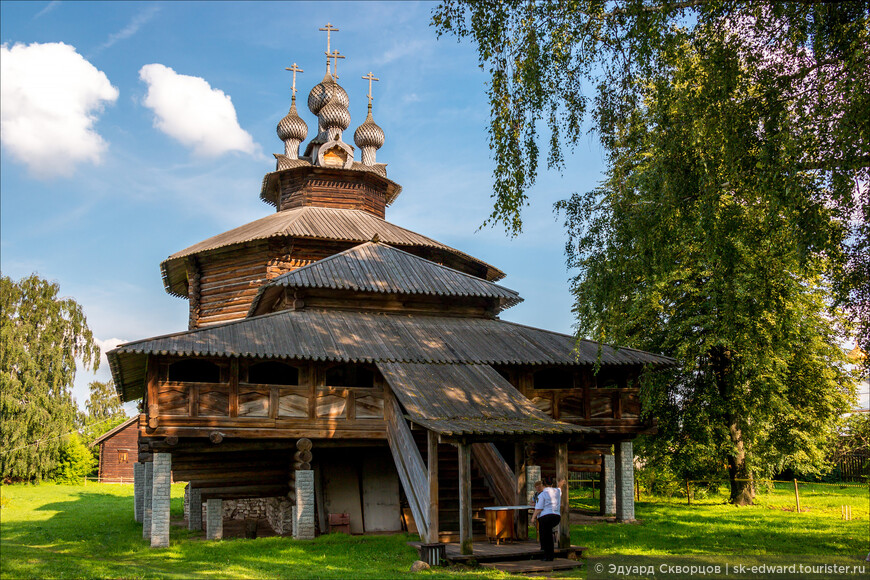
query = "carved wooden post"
x=465 y=532
x=522 y=523
x=432 y=456
x=194 y=292
x=562 y=481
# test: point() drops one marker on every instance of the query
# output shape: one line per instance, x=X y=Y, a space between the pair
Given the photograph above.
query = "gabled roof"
x=377 y=267
x=351 y=225
x=349 y=336
x=461 y=399
x=115 y=430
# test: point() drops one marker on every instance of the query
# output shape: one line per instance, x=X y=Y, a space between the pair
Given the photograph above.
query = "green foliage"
x=734 y=212
x=75 y=462
x=41 y=335
x=800 y=71
x=691 y=246
x=103 y=402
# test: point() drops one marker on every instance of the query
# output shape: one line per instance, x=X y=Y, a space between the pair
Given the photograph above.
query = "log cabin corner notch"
x=382 y=348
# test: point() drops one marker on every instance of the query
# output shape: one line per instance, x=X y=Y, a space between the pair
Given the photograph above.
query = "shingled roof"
x=377 y=267
x=348 y=336
x=462 y=399
x=324 y=223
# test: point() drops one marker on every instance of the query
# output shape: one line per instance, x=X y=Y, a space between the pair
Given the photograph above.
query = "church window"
x=354 y=376
x=273 y=373
x=608 y=378
x=554 y=378
x=194 y=371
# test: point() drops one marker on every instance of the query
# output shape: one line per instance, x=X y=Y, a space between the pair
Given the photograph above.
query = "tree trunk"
x=742 y=484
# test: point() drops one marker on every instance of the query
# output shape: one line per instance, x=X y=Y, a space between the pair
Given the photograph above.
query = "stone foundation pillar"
x=303 y=526
x=162 y=476
x=146 y=500
x=624 y=481
x=608 y=485
x=214 y=519
x=533 y=474
x=138 y=490
x=194 y=517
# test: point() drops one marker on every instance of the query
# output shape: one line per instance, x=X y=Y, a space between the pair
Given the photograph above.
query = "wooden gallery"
x=342 y=364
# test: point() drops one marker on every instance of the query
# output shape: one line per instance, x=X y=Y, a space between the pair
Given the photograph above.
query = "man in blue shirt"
x=547 y=509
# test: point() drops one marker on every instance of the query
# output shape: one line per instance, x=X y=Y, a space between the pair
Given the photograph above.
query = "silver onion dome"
x=324 y=92
x=369 y=134
x=334 y=115
x=292 y=126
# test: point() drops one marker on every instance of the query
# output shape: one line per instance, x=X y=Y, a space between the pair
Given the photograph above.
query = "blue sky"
x=103 y=176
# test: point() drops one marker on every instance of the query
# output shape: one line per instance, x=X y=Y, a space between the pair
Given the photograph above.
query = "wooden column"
x=465 y=533
x=522 y=522
x=234 y=388
x=432 y=457
x=565 y=509
x=151 y=392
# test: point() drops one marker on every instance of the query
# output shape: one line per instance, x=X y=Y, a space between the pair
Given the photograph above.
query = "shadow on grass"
x=92 y=534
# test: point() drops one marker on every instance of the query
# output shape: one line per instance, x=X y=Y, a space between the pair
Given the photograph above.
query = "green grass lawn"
x=711 y=526
x=59 y=531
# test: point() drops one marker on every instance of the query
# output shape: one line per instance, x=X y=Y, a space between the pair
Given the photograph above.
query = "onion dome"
x=292 y=130
x=324 y=92
x=334 y=116
x=369 y=138
x=369 y=134
x=292 y=126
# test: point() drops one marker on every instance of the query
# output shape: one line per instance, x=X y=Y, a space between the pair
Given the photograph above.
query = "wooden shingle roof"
x=463 y=399
x=323 y=223
x=348 y=336
x=379 y=268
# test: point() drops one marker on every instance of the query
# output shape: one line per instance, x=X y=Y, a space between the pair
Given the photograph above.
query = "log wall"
x=344 y=190
x=118 y=453
x=237 y=408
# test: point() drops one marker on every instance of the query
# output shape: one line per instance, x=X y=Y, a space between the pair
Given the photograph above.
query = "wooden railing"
x=589 y=404
x=496 y=472
x=409 y=463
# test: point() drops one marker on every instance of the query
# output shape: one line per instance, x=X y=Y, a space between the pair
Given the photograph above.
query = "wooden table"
x=500 y=522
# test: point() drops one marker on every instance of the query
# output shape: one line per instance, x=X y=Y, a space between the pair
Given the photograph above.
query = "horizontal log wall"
x=253 y=410
x=611 y=410
x=342 y=191
x=118 y=453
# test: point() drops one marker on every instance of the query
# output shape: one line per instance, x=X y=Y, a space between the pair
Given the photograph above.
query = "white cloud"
x=51 y=99
x=190 y=111
x=132 y=28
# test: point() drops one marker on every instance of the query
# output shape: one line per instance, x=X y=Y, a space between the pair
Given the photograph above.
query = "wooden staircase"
x=448 y=492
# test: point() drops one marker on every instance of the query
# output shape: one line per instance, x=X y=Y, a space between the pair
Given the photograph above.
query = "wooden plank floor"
x=533 y=566
x=483 y=551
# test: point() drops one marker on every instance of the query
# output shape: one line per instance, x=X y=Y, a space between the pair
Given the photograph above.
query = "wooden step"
x=533 y=566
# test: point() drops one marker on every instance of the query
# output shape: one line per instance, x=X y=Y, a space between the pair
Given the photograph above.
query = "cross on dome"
x=328 y=29
x=295 y=69
x=370 y=77
x=334 y=55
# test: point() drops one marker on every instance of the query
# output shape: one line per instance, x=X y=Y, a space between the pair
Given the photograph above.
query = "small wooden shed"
x=119 y=449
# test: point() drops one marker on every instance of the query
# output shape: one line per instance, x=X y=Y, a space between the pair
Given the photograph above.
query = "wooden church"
x=381 y=349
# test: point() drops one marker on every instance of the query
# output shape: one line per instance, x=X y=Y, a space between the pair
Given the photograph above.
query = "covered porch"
x=470 y=407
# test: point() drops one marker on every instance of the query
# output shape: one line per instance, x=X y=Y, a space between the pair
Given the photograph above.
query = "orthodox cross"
x=334 y=54
x=370 y=77
x=294 y=69
x=329 y=29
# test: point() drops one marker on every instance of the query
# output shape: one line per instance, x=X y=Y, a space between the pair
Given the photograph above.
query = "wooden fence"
x=855 y=467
